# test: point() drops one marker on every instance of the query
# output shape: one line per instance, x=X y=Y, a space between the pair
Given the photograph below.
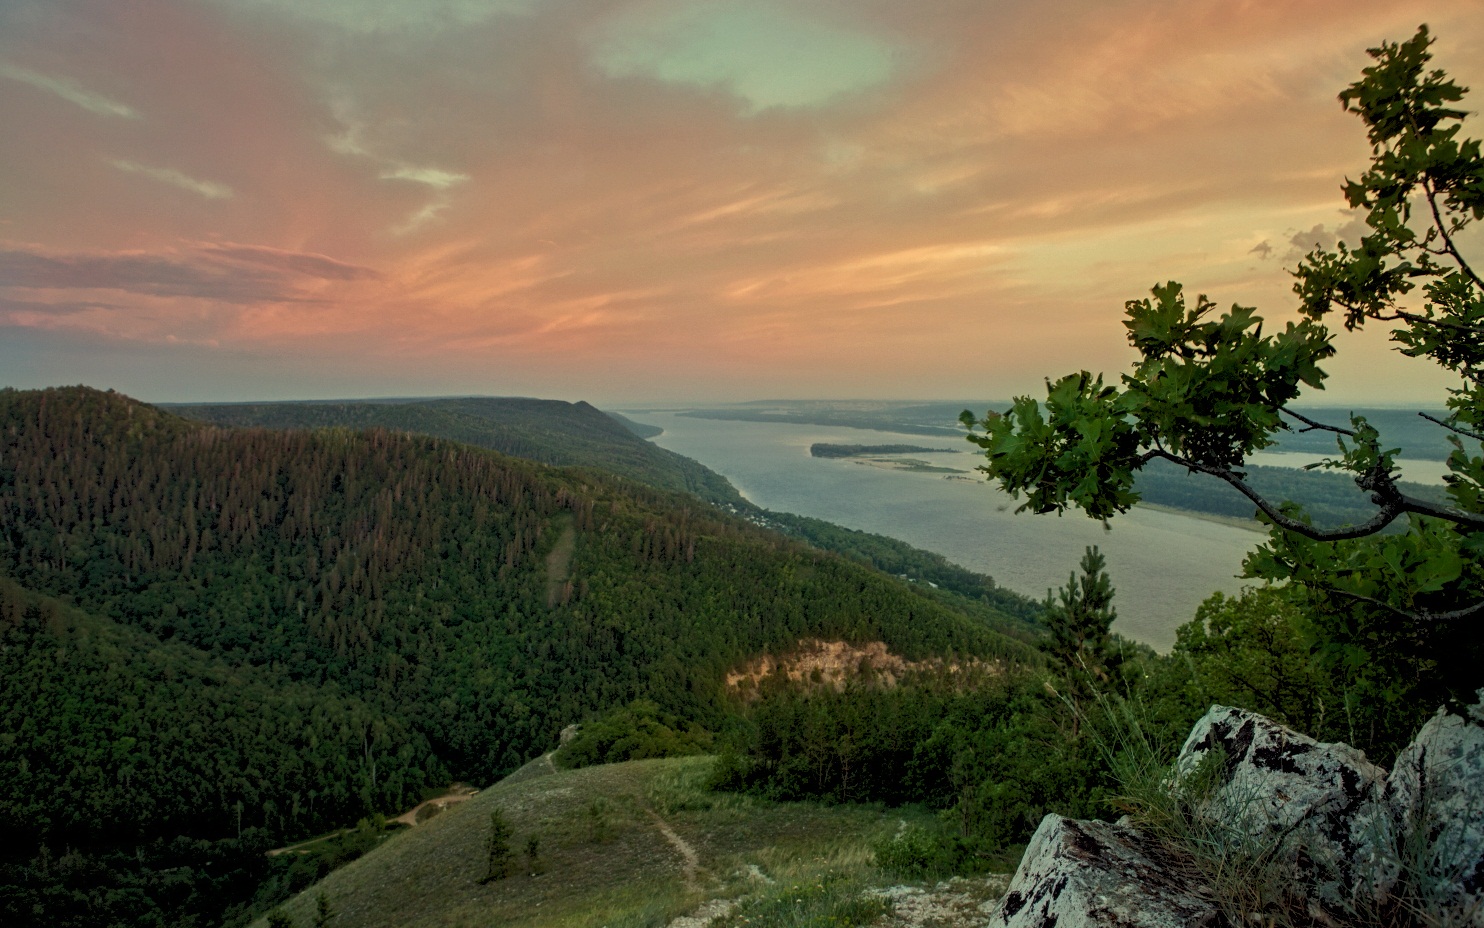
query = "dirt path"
x=298 y=848
x=458 y=793
x=690 y=864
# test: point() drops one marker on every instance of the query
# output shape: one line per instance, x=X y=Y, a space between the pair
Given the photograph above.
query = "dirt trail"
x=458 y=793
x=690 y=864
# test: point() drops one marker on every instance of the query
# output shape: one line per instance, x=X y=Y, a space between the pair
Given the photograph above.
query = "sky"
x=630 y=201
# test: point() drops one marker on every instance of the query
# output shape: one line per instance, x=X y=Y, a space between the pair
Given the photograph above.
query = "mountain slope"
x=577 y=434
x=661 y=846
x=549 y=431
x=460 y=606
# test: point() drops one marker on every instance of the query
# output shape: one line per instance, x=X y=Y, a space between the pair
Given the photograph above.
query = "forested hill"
x=549 y=431
x=433 y=610
x=577 y=434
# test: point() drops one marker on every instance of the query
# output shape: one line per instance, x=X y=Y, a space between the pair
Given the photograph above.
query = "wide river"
x=1162 y=564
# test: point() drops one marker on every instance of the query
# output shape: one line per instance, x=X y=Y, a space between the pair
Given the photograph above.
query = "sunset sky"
x=661 y=200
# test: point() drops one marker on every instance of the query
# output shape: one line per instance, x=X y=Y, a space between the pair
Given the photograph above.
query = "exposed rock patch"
x=1096 y=873
x=834 y=663
x=1315 y=803
x=1345 y=842
x=1436 y=789
x=949 y=904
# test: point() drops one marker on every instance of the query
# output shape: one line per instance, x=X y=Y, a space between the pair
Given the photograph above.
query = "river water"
x=1162 y=564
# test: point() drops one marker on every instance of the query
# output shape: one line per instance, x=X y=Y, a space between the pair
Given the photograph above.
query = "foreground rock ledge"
x=1096 y=873
x=1351 y=840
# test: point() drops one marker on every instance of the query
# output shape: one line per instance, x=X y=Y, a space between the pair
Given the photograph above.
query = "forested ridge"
x=248 y=635
x=549 y=431
x=578 y=435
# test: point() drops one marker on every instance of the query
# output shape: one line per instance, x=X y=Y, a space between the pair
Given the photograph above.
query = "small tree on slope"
x=501 y=859
x=1395 y=617
x=1080 y=644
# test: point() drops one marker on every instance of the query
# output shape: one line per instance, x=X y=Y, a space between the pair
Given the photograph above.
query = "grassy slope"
x=632 y=876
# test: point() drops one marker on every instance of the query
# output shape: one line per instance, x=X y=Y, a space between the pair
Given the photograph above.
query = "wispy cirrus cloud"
x=352 y=141
x=436 y=178
x=209 y=189
x=306 y=264
x=69 y=90
x=234 y=274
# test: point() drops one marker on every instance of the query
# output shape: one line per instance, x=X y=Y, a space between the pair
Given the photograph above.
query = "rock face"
x=1436 y=799
x=1315 y=804
x=1337 y=840
x=1098 y=874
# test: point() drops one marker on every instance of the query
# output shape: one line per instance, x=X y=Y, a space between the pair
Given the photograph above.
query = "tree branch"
x=1376 y=523
x=1425 y=615
x=1378 y=481
x=1452 y=428
x=1415 y=319
x=1437 y=218
x=1313 y=426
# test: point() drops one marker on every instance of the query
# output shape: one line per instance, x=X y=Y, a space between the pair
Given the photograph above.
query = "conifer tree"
x=1080 y=619
x=323 y=911
x=501 y=859
x=533 y=855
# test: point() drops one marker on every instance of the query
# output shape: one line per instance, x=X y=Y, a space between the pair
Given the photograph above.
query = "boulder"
x=1435 y=796
x=1309 y=808
x=1335 y=839
x=1099 y=875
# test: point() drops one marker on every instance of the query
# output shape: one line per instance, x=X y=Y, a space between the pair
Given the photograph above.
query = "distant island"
x=827 y=450
x=937 y=420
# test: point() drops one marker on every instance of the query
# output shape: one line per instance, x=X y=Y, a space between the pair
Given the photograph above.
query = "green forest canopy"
x=282 y=631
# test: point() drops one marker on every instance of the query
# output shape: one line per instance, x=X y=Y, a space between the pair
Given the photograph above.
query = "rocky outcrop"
x=1313 y=804
x=1435 y=797
x=1335 y=839
x=1096 y=873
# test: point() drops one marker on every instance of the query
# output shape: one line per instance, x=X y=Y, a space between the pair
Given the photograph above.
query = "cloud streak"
x=211 y=190
x=234 y=274
x=68 y=90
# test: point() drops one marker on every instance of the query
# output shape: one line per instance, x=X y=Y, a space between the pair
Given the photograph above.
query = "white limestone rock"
x=1436 y=798
x=1317 y=804
x=1098 y=875
x=1351 y=844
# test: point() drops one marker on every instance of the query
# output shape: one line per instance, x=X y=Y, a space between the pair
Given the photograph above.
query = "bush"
x=638 y=731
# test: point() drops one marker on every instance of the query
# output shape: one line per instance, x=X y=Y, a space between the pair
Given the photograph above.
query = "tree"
x=1247 y=651
x=534 y=863
x=1392 y=614
x=1079 y=620
x=501 y=859
x=323 y=911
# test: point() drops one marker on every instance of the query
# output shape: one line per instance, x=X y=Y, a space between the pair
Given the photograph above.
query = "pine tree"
x=1080 y=620
x=323 y=911
x=501 y=859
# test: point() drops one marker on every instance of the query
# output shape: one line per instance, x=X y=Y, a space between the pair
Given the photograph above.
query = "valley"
x=270 y=621
x=279 y=631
